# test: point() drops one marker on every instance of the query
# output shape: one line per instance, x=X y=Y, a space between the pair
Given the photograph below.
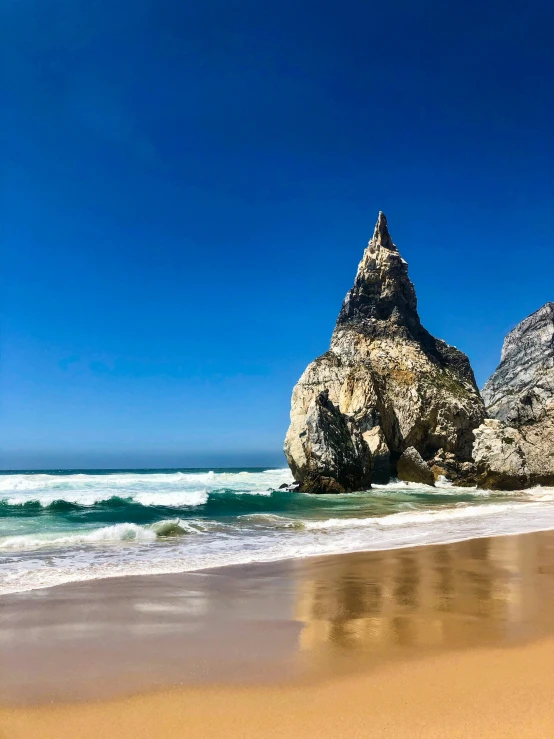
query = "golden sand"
x=481 y=694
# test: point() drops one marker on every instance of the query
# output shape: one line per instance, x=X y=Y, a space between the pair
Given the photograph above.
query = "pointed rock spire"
x=382 y=291
x=381 y=236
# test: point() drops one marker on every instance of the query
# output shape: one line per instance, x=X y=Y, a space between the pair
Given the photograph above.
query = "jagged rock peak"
x=539 y=327
x=381 y=235
x=382 y=290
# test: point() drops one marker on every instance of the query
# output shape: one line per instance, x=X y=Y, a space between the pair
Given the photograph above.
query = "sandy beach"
x=486 y=693
x=449 y=641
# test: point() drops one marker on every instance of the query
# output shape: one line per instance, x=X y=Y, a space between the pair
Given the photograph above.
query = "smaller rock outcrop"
x=500 y=462
x=516 y=449
x=446 y=465
x=335 y=457
x=412 y=468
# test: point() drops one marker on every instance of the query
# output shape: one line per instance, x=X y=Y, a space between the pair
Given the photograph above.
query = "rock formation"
x=517 y=449
x=337 y=457
x=499 y=458
x=391 y=383
x=412 y=468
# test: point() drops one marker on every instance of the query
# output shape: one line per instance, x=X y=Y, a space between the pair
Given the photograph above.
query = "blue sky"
x=188 y=189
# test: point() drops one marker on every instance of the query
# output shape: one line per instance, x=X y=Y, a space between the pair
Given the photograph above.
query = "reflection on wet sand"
x=272 y=622
x=462 y=594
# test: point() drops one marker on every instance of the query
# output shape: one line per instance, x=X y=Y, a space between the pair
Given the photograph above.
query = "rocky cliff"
x=517 y=449
x=396 y=387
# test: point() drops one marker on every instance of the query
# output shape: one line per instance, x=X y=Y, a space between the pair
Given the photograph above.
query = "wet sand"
x=446 y=641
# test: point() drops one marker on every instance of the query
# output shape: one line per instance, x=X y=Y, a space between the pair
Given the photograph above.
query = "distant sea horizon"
x=138 y=470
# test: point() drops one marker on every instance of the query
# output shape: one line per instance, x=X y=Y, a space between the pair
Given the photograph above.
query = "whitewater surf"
x=67 y=526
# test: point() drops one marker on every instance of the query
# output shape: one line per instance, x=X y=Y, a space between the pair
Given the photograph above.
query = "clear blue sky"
x=188 y=187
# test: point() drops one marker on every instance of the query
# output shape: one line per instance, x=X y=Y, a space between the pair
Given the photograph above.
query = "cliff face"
x=521 y=389
x=395 y=385
x=519 y=395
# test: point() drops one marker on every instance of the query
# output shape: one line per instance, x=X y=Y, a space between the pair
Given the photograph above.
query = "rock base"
x=412 y=468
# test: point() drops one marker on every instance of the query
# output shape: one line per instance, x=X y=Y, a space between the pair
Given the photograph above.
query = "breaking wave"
x=121 y=532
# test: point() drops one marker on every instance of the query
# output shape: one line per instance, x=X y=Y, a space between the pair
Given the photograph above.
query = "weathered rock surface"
x=337 y=459
x=519 y=395
x=446 y=465
x=394 y=384
x=381 y=464
x=521 y=389
x=412 y=468
x=499 y=458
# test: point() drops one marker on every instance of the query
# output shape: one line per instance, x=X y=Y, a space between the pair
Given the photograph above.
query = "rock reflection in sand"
x=462 y=594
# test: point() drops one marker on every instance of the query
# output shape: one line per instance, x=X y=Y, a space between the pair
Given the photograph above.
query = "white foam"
x=105 y=535
x=169 y=489
x=116 y=533
x=442 y=485
x=175 y=499
x=539 y=493
x=273 y=520
x=405 y=518
x=188 y=554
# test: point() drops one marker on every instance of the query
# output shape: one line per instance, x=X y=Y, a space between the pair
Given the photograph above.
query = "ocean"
x=74 y=525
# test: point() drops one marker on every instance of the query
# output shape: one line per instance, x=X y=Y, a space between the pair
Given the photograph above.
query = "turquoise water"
x=66 y=525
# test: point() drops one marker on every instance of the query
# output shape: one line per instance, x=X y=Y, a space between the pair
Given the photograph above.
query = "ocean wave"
x=272 y=521
x=176 y=527
x=122 y=532
x=146 y=507
x=389 y=505
x=180 y=499
x=441 y=486
x=177 y=499
x=157 y=489
x=406 y=518
x=104 y=562
x=22 y=571
x=221 y=502
x=196 y=489
x=81 y=482
x=58 y=528
x=172 y=527
x=117 y=533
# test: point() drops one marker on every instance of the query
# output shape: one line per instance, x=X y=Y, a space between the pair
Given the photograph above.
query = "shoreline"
x=147 y=572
